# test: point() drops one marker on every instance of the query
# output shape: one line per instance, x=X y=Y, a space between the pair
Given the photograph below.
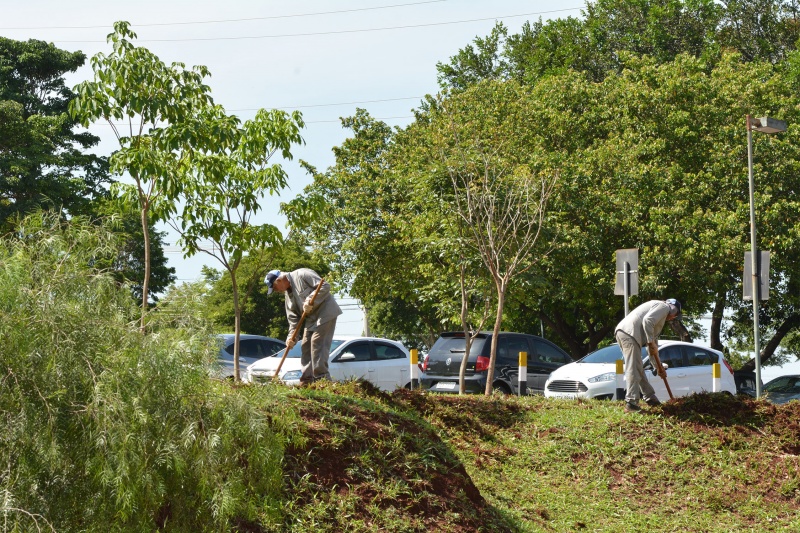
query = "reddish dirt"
x=327 y=466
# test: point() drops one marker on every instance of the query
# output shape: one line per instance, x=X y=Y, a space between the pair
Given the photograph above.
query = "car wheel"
x=501 y=388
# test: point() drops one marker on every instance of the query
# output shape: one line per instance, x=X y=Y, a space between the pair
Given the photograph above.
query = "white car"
x=383 y=362
x=689 y=371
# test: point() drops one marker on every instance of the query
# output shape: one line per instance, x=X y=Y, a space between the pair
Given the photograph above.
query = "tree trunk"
x=498 y=319
x=146 y=280
x=716 y=323
x=237 y=328
x=788 y=325
x=462 y=371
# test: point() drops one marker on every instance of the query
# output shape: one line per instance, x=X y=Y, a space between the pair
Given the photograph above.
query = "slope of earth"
x=363 y=460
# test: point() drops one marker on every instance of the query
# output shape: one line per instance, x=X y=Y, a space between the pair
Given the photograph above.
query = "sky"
x=322 y=58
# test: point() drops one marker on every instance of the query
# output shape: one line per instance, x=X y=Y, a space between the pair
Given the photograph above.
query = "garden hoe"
x=298 y=328
x=659 y=368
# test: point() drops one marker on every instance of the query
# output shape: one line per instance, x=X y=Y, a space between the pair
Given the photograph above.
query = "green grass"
x=414 y=462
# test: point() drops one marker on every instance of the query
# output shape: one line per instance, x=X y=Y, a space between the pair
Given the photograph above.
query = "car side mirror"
x=347 y=357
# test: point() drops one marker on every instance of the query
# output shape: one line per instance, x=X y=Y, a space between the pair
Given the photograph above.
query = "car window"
x=360 y=350
x=548 y=353
x=672 y=356
x=783 y=384
x=388 y=351
x=271 y=347
x=252 y=348
x=508 y=348
x=695 y=356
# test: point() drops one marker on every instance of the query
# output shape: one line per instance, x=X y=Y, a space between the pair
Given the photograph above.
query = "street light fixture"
x=764 y=125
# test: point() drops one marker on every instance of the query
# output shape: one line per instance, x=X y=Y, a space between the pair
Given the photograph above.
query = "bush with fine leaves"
x=106 y=429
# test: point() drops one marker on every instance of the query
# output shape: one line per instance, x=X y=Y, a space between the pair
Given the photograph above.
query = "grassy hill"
x=363 y=460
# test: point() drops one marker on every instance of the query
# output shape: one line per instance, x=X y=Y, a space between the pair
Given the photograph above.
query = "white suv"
x=689 y=371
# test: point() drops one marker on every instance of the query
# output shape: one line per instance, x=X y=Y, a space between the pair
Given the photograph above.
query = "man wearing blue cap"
x=641 y=328
x=298 y=287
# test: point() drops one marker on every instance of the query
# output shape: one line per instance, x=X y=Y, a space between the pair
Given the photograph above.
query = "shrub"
x=106 y=429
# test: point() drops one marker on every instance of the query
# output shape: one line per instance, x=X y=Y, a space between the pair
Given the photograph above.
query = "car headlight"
x=608 y=376
x=292 y=375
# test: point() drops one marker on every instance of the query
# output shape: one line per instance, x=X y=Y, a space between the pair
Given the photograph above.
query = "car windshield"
x=609 y=354
x=297 y=351
x=784 y=384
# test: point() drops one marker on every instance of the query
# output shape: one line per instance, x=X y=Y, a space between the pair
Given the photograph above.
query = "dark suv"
x=441 y=367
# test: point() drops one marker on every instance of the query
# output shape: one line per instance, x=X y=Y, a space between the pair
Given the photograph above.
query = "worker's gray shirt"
x=304 y=282
x=645 y=322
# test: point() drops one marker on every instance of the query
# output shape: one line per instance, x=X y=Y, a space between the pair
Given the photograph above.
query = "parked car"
x=745 y=382
x=251 y=349
x=782 y=389
x=442 y=366
x=383 y=362
x=688 y=371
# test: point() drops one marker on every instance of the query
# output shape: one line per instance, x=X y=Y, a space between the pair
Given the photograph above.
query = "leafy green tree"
x=760 y=30
x=359 y=224
x=479 y=136
x=224 y=188
x=145 y=102
x=43 y=161
x=483 y=61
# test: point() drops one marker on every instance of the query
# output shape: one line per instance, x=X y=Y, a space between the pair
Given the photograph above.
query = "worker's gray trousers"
x=635 y=380
x=316 y=346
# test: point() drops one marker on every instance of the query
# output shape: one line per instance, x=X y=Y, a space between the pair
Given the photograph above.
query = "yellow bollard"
x=716 y=372
x=523 y=373
x=620 y=392
x=414 y=368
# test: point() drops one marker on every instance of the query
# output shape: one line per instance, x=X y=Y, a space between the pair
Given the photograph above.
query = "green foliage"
x=365 y=232
x=759 y=30
x=95 y=412
x=43 y=161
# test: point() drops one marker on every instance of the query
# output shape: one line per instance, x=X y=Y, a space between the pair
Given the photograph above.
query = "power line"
x=340 y=103
x=339 y=32
x=249 y=19
x=102 y=123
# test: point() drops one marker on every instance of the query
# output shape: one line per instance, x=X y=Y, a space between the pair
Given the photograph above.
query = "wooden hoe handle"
x=660 y=369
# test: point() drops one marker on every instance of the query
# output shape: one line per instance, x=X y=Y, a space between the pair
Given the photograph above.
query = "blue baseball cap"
x=676 y=303
x=272 y=275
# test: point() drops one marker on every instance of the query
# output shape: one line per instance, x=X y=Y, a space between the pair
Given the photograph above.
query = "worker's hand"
x=307 y=305
x=290 y=342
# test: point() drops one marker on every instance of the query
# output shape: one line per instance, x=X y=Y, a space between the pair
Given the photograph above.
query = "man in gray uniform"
x=298 y=286
x=641 y=328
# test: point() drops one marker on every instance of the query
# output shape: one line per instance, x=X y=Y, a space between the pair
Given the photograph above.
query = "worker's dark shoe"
x=652 y=402
x=631 y=407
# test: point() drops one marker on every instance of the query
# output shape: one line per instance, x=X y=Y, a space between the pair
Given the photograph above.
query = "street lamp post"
x=764 y=125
